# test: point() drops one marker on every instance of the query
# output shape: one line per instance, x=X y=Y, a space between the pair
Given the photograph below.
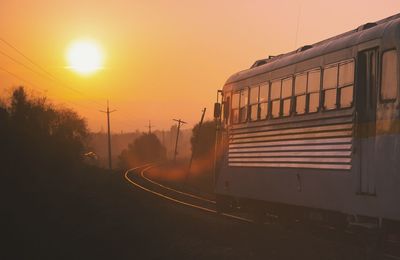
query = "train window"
x=300 y=93
x=313 y=102
x=330 y=99
x=389 y=75
x=254 y=91
x=276 y=98
x=264 y=96
x=275 y=90
x=263 y=110
x=244 y=98
x=313 y=89
x=235 y=107
x=346 y=96
x=330 y=77
x=287 y=92
x=346 y=81
x=226 y=109
x=264 y=92
x=301 y=104
x=346 y=74
x=276 y=107
x=329 y=85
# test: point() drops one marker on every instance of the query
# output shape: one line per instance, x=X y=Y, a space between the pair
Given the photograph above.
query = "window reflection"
x=330 y=77
x=346 y=74
x=276 y=107
x=346 y=97
x=330 y=99
x=300 y=104
x=263 y=110
x=313 y=103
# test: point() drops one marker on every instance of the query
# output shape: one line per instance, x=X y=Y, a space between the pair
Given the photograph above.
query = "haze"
x=163 y=59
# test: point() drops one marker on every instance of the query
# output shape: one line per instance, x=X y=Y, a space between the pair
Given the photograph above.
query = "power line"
x=20 y=63
x=23 y=55
x=40 y=88
x=45 y=74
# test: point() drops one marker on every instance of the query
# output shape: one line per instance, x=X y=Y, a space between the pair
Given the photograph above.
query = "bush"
x=203 y=140
x=146 y=148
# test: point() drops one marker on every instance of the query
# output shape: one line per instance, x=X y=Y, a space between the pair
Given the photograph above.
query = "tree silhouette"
x=146 y=148
x=203 y=139
x=36 y=135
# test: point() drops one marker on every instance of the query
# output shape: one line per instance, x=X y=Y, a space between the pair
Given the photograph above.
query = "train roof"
x=363 y=33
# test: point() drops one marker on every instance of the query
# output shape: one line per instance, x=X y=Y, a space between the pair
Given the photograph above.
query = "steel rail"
x=174 y=190
x=147 y=167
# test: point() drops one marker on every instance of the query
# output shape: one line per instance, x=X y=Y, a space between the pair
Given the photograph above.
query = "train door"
x=366 y=118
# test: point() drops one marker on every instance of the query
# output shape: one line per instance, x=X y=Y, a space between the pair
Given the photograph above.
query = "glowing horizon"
x=161 y=59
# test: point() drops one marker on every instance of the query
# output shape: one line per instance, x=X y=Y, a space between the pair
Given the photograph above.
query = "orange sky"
x=164 y=59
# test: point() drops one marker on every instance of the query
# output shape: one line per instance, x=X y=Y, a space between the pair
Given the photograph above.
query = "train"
x=313 y=134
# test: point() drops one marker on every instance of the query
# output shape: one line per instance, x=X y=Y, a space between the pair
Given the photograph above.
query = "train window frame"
x=233 y=109
x=335 y=88
x=256 y=103
x=244 y=110
x=346 y=85
x=227 y=107
x=277 y=99
x=267 y=101
x=319 y=92
x=339 y=88
x=296 y=94
x=381 y=98
x=287 y=98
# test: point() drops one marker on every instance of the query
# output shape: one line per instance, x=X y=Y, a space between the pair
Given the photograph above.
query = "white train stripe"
x=293 y=148
x=294 y=165
x=345 y=140
x=292 y=159
x=295 y=131
x=294 y=136
x=267 y=126
x=269 y=154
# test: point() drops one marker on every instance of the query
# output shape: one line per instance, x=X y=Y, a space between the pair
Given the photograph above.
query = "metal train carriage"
x=314 y=133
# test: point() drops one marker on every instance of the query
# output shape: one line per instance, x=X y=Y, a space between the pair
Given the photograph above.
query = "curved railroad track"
x=136 y=176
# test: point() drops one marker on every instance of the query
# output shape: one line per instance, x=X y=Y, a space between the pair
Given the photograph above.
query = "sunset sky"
x=162 y=59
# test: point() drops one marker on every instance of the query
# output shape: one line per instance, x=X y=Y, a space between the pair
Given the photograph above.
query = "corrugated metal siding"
x=317 y=144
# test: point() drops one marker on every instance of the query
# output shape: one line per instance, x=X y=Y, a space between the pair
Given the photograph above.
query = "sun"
x=85 y=57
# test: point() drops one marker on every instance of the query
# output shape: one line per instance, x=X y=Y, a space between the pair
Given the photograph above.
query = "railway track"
x=136 y=176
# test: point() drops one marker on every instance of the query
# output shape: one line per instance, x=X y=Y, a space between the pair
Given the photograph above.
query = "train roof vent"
x=366 y=26
x=258 y=63
x=304 y=48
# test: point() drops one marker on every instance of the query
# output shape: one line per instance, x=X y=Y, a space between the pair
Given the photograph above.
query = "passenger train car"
x=314 y=133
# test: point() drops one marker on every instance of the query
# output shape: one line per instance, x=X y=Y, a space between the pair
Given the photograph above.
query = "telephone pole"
x=108 y=112
x=177 y=137
x=196 y=140
x=149 y=126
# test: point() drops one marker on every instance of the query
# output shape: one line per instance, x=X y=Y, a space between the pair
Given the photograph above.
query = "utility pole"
x=177 y=136
x=149 y=126
x=108 y=112
x=196 y=141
